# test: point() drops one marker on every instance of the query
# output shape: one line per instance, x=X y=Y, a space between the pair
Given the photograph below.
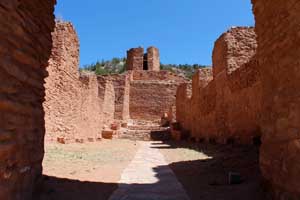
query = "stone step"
x=141 y=136
x=145 y=123
x=146 y=135
x=141 y=128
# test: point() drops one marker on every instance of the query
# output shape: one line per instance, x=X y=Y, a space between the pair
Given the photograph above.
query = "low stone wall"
x=162 y=75
x=225 y=105
x=25 y=48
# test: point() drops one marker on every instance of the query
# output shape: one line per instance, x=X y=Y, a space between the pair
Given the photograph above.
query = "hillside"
x=117 y=66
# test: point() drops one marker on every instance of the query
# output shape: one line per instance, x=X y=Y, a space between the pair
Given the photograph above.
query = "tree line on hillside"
x=118 y=66
x=105 y=67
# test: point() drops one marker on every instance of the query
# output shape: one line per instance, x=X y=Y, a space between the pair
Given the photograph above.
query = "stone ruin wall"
x=137 y=60
x=183 y=95
x=233 y=49
x=238 y=87
x=79 y=106
x=76 y=103
x=107 y=95
x=25 y=33
x=226 y=101
x=121 y=84
x=25 y=49
x=163 y=75
x=277 y=27
x=153 y=59
x=152 y=94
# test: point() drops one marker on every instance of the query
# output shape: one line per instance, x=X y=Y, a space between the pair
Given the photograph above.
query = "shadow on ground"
x=208 y=179
x=54 y=188
x=204 y=179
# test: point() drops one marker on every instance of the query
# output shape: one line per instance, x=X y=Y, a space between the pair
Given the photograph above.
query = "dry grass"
x=83 y=161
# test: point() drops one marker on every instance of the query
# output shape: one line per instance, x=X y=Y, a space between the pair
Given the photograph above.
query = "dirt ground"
x=84 y=171
x=203 y=170
x=91 y=171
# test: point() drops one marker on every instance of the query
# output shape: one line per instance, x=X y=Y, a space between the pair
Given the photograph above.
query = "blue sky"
x=183 y=30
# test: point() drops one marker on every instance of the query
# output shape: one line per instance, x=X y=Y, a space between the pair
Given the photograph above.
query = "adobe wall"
x=24 y=52
x=226 y=101
x=233 y=49
x=107 y=97
x=152 y=94
x=73 y=103
x=121 y=85
x=162 y=75
x=153 y=59
x=200 y=95
x=195 y=104
x=135 y=59
x=243 y=102
x=238 y=86
x=277 y=27
x=206 y=112
x=25 y=33
x=183 y=96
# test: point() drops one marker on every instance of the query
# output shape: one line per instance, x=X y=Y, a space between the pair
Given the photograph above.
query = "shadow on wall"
x=25 y=50
x=204 y=179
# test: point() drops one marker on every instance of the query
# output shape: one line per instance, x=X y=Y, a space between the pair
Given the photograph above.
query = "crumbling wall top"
x=233 y=49
x=137 y=60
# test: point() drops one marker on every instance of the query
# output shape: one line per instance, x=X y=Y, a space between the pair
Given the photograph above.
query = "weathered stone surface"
x=107 y=96
x=225 y=105
x=148 y=176
x=142 y=130
x=277 y=27
x=108 y=134
x=25 y=48
x=77 y=105
x=135 y=59
x=233 y=49
x=153 y=59
x=163 y=75
x=183 y=96
x=121 y=85
x=152 y=94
